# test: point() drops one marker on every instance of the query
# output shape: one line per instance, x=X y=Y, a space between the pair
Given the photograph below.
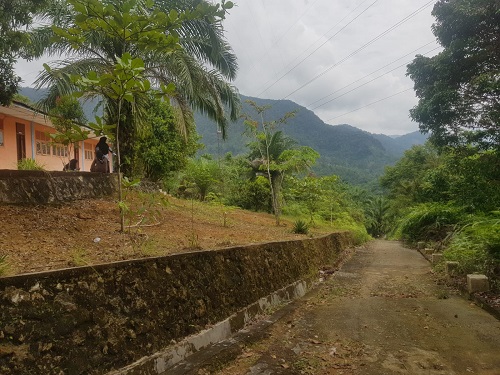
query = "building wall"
x=39 y=146
x=8 y=152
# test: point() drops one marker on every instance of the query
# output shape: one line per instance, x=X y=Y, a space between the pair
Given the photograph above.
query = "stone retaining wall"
x=91 y=320
x=40 y=187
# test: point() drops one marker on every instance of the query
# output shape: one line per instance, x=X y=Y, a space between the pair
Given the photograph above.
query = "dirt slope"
x=87 y=232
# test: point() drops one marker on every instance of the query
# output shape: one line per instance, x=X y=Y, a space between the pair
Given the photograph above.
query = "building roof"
x=26 y=112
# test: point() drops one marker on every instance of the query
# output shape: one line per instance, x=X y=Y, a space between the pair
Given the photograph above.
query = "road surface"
x=382 y=313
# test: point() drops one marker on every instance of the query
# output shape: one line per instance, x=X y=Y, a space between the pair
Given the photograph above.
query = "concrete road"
x=381 y=313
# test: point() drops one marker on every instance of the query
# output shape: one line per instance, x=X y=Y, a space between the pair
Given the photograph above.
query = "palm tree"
x=377 y=216
x=200 y=69
x=265 y=156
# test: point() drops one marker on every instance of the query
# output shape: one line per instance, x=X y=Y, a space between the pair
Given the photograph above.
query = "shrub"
x=300 y=227
x=477 y=246
x=429 y=222
x=29 y=165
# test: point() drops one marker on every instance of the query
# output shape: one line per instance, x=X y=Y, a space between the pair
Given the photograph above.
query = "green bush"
x=300 y=227
x=29 y=165
x=429 y=222
x=477 y=246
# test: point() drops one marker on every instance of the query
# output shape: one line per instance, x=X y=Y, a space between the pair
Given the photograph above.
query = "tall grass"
x=476 y=246
x=29 y=165
x=430 y=222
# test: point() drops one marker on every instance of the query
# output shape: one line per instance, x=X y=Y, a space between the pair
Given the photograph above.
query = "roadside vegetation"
x=447 y=192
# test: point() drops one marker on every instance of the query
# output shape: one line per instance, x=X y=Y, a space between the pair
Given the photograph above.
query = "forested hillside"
x=355 y=155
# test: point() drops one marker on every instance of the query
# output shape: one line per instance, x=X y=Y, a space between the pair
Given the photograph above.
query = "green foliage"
x=377 y=214
x=476 y=246
x=254 y=195
x=273 y=154
x=121 y=50
x=465 y=178
x=410 y=181
x=202 y=174
x=66 y=113
x=162 y=150
x=9 y=81
x=29 y=165
x=458 y=88
x=15 y=17
x=430 y=222
x=300 y=227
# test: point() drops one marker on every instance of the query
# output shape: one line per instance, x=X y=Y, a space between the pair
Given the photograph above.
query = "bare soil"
x=87 y=232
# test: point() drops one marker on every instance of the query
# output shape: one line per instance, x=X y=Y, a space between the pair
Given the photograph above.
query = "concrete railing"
x=92 y=320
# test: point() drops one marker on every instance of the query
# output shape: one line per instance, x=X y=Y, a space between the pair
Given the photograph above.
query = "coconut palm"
x=200 y=66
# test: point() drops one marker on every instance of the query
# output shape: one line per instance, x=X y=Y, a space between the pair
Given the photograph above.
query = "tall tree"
x=162 y=150
x=197 y=60
x=459 y=89
x=275 y=154
x=14 y=16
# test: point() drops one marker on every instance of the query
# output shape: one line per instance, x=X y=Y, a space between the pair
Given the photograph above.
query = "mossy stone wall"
x=40 y=187
x=90 y=320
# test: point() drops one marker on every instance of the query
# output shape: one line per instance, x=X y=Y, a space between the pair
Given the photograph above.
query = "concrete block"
x=477 y=283
x=436 y=258
x=420 y=245
x=428 y=251
x=451 y=268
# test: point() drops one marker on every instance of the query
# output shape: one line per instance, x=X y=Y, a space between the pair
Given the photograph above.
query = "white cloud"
x=273 y=41
x=283 y=44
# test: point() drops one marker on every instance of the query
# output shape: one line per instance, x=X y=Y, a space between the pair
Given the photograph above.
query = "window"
x=89 y=151
x=42 y=143
x=59 y=150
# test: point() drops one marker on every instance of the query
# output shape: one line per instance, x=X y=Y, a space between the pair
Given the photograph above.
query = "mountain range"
x=357 y=156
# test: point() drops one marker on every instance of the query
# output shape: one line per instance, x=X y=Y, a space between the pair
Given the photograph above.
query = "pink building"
x=23 y=135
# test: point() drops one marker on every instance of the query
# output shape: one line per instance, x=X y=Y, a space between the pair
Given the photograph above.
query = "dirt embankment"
x=38 y=238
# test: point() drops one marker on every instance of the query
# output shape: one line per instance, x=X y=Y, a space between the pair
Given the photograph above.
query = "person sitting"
x=103 y=146
x=100 y=163
x=72 y=166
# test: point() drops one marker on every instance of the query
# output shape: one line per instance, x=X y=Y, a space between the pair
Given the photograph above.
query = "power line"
x=294 y=23
x=309 y=55
x=381 y=35
x=369 y=74
x=370 y=81
x=312 y=44
x=369 y=104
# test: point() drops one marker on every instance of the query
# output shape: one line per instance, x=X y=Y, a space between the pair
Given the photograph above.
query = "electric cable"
x=381 y=35
x=369 y=104
x=369 y=74
x=309 y=55
x=370 y=81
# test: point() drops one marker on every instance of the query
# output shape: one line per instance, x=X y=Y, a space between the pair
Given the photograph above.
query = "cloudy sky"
x=339 y=58
x=321 y=54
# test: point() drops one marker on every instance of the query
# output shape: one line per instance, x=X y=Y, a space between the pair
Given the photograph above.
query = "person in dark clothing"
x=71 y=166
x=100 y=163
x=101 y=151
x=103 y=146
